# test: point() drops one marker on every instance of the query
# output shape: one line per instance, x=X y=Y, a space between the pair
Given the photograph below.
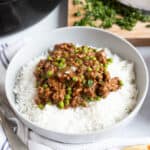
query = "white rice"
x=98 y=115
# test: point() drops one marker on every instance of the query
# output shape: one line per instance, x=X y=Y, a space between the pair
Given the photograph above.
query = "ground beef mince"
x=73 y=76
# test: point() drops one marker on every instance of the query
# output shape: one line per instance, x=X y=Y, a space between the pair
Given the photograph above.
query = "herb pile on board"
x=105 y=13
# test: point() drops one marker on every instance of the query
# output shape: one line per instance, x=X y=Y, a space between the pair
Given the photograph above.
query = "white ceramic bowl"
x=83 y=36
x=144 y=4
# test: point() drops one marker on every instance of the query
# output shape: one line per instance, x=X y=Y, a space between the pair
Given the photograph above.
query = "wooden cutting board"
x=139 y=36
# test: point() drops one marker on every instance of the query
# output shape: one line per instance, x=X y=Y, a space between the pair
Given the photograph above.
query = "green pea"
x=79 y=61
x=45 y=86
x=97 y=68
x=49 y=58
x=90 y=99
x=69 y=90
x=67 y=97
x=62 y=60
x=85 y=49
x=101 y=65
x=89 y=69
x=49 y=73
x=61 y=104
x=61 y=65
x=75 y=79
x=93 y=58
x=76 y=51
x=84 y=81
x=87 y=58
x=58 y=58
x=98 y=98
x=82 y=77
x=121 y=83
x=106 y=65
x=90 y=82
x=41 y=106
x=109 y=60
x=56 y=63
x=49 y=102
x=67 y=102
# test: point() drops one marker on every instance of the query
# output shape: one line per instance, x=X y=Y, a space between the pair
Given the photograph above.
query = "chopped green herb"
x=77 y=14
x=76 y=2
x=107 y=23
x=108 y=11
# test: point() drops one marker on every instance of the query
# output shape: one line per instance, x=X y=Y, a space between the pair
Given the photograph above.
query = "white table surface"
x=140 y=126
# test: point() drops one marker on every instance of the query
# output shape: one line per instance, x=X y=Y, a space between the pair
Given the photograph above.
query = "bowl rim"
x=97 y=132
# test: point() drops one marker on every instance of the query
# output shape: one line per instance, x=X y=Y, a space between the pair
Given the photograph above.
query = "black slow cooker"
x=16 y=15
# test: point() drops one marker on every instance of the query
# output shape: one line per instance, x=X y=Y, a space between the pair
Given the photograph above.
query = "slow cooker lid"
x=15 y=15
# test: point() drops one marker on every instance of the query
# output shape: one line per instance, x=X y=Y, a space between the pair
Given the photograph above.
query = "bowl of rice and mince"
x=77 y=87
